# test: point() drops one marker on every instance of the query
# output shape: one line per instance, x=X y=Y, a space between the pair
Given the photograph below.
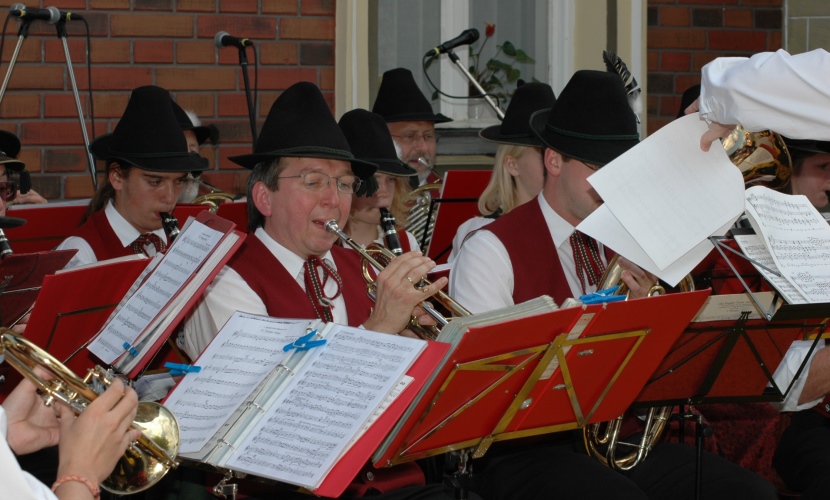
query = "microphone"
x=223 y=39
x=465 y=38
x=50 y=14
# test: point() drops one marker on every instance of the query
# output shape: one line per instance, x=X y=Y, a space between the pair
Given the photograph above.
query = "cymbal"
x=6 y=222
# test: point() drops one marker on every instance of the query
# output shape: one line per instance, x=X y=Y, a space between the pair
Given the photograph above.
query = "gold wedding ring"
x=410 y=280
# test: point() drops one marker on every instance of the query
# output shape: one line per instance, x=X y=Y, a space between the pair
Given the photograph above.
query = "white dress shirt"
x=466 y=227
x=230 y=293
x=789 y=94
x=17 y=483
x=125 y=232
x=793 y=358
x=481 y=278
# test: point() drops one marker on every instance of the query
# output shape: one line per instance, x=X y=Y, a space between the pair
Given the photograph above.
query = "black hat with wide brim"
x=515 y=128
x=9 y=149
x=807 y=145
x=370 y=140
x=300 y=124
x=148 y=136
x=400 y=100
x=202 y=132
x=591 y=119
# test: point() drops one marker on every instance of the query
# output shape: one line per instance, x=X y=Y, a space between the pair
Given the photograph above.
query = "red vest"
x=283 y=296
x=536 y=267
x=100 y=236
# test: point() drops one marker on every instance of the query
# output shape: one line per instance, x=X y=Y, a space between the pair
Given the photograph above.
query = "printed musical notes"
x=754 y=248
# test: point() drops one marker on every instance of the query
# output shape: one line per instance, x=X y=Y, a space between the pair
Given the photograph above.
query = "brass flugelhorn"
x=426 y=332
x=146 y=460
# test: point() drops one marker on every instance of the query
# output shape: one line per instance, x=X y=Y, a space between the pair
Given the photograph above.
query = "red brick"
x=98 y=25
x=329 y=97
x=152 y=25
x=327 y=78
x=37 y=77
x=317 y=7
x=62 y=105
x=709 y=2
x=115 y=77
x=266 y=100
x=281 y=79
x=48 y=186
x=655 y=123
x=306 y=28
x=254 y=27
x=278 y=53
x=279 y=6
x=701 y=59
x=79 y=186
x=110 y=51
x=762 y=3
x=239 y=147
x=60 y=132
x=233 y=104
x=109 y=4
x=201 y=104
x=65 y=160
x=738 y=18
x=110 y=105
x=669 y=38
x=195 y=52
x=196 y=6
x=774 y=41
x=196 y=78
x=669 y=105
x=31 y=158
x=68 y=4
x=153 y=51
x=162 y=5
x=17 y=105
x=674 y=16
x=30 y=51
x=239 y=6
x=751 y=41
x=675 y=61
x=653 y=60
x=683 y=82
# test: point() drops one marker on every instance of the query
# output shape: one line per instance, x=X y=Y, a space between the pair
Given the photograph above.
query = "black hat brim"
x=392 y=167
x=7 y=222
x=157 y=162
x=362 y=169
x=493 y=134
x=418 y=117
x=12 y=163
x=588 y=150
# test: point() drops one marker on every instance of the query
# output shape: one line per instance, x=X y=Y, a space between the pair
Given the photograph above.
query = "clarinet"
x=170 y=225
x=390 y=234
x=5 y=247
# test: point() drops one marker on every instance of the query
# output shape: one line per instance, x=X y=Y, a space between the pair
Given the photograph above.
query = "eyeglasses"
x=8 y=190
x=592 y=167
x=317 y=181
x=428 y=138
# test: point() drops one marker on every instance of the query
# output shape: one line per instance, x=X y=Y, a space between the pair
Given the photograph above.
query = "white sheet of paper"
x=668 y=194
x=753 y=247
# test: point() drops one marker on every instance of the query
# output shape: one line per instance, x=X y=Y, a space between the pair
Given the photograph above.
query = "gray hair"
x=266 y=172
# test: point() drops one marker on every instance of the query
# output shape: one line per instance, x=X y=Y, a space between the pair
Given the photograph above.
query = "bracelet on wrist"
x=93 y=488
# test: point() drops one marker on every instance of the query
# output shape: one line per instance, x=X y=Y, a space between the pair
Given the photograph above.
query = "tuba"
x=373 y=254
x=762 y=157
x=146 y=460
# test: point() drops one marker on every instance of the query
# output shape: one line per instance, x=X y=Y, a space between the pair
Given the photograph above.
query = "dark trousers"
x=802 y=458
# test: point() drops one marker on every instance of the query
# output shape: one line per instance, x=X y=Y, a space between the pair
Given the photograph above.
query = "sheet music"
x=668 y=194
x=729 y=307
x=302 y=434
x=797 y=237
x=244 y=352
x=753 y=247
x=178 y=264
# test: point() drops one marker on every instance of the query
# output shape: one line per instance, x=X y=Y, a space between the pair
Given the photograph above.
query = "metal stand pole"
x=243 y=63
x=454 y=58
x=459 y=473
x=61 y=29
x=22 y=33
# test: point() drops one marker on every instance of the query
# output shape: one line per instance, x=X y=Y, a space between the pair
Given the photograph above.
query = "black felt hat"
x=9 y=148
x=690 y=95
x=807 y=145
x=400 y=100
x=202 y=132
x=590 y=121
x=370 y=140
x=300 y=123
x=515 y=128
x=148 y=136
x=7 y=222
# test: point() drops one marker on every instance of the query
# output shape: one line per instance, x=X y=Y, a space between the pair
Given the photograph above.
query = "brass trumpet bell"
x=145 y=461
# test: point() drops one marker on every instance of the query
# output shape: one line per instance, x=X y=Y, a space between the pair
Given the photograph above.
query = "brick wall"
x=161 y=42
x=683 y=35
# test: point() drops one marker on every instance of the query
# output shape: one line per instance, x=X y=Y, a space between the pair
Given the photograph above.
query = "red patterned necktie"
x=589 y=266
x=315 y=288
x=140 y=243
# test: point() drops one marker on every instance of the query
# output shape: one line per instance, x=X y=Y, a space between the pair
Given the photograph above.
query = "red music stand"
x=46 y=226
x=457 y=203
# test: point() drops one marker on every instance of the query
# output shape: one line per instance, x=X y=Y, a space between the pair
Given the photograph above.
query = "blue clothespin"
x=178 y=369
x=304 y=343
x=130 y=349
x=601 y=296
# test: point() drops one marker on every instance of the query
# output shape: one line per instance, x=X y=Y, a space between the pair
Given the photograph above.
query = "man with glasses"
x=303 y=174
x=15 y=183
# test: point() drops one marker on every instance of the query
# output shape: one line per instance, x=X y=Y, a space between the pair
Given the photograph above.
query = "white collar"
x=560 y=229
x=125 y=231
x=292 y=262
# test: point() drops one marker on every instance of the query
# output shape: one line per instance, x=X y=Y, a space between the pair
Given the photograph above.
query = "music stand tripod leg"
x=458 y=473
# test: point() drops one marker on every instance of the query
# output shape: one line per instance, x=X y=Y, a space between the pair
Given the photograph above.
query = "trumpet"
x=368 y=254
x=146 y=460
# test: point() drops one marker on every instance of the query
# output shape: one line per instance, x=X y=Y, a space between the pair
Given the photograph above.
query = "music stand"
x=46 y=226
x=457 y=203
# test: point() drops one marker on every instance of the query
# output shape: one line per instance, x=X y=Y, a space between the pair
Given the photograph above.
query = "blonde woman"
x=518 y=172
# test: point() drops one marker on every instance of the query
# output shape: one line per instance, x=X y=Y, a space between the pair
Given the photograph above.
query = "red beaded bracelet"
x=93 y=488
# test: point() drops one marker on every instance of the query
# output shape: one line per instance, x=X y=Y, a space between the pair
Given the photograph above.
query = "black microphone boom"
x=223 y=39
x=465 y=38
x=50 y=14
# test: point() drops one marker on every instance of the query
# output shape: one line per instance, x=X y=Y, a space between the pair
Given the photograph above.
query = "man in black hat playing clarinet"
x=535 y=250
x=147 y=165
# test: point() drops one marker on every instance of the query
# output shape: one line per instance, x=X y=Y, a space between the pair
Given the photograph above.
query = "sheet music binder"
x=458 y=202
x=499 y=384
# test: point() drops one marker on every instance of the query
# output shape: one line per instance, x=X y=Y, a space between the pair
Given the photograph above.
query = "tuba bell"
x=145 y=461
x=762 y=157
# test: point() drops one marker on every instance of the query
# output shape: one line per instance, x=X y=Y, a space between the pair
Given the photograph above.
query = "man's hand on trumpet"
x=398 y=298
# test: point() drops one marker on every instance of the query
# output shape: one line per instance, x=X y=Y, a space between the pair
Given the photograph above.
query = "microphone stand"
x=454 y=58
x=60 y=26
x=22 y=33
x=243 y=63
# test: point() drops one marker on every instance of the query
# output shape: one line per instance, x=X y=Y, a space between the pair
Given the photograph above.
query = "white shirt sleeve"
x=785 y=372
x=85 y=254
x=481 y=279
x=464 y=229
x=772 y=90
x=227 y=294
x=17 y=483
